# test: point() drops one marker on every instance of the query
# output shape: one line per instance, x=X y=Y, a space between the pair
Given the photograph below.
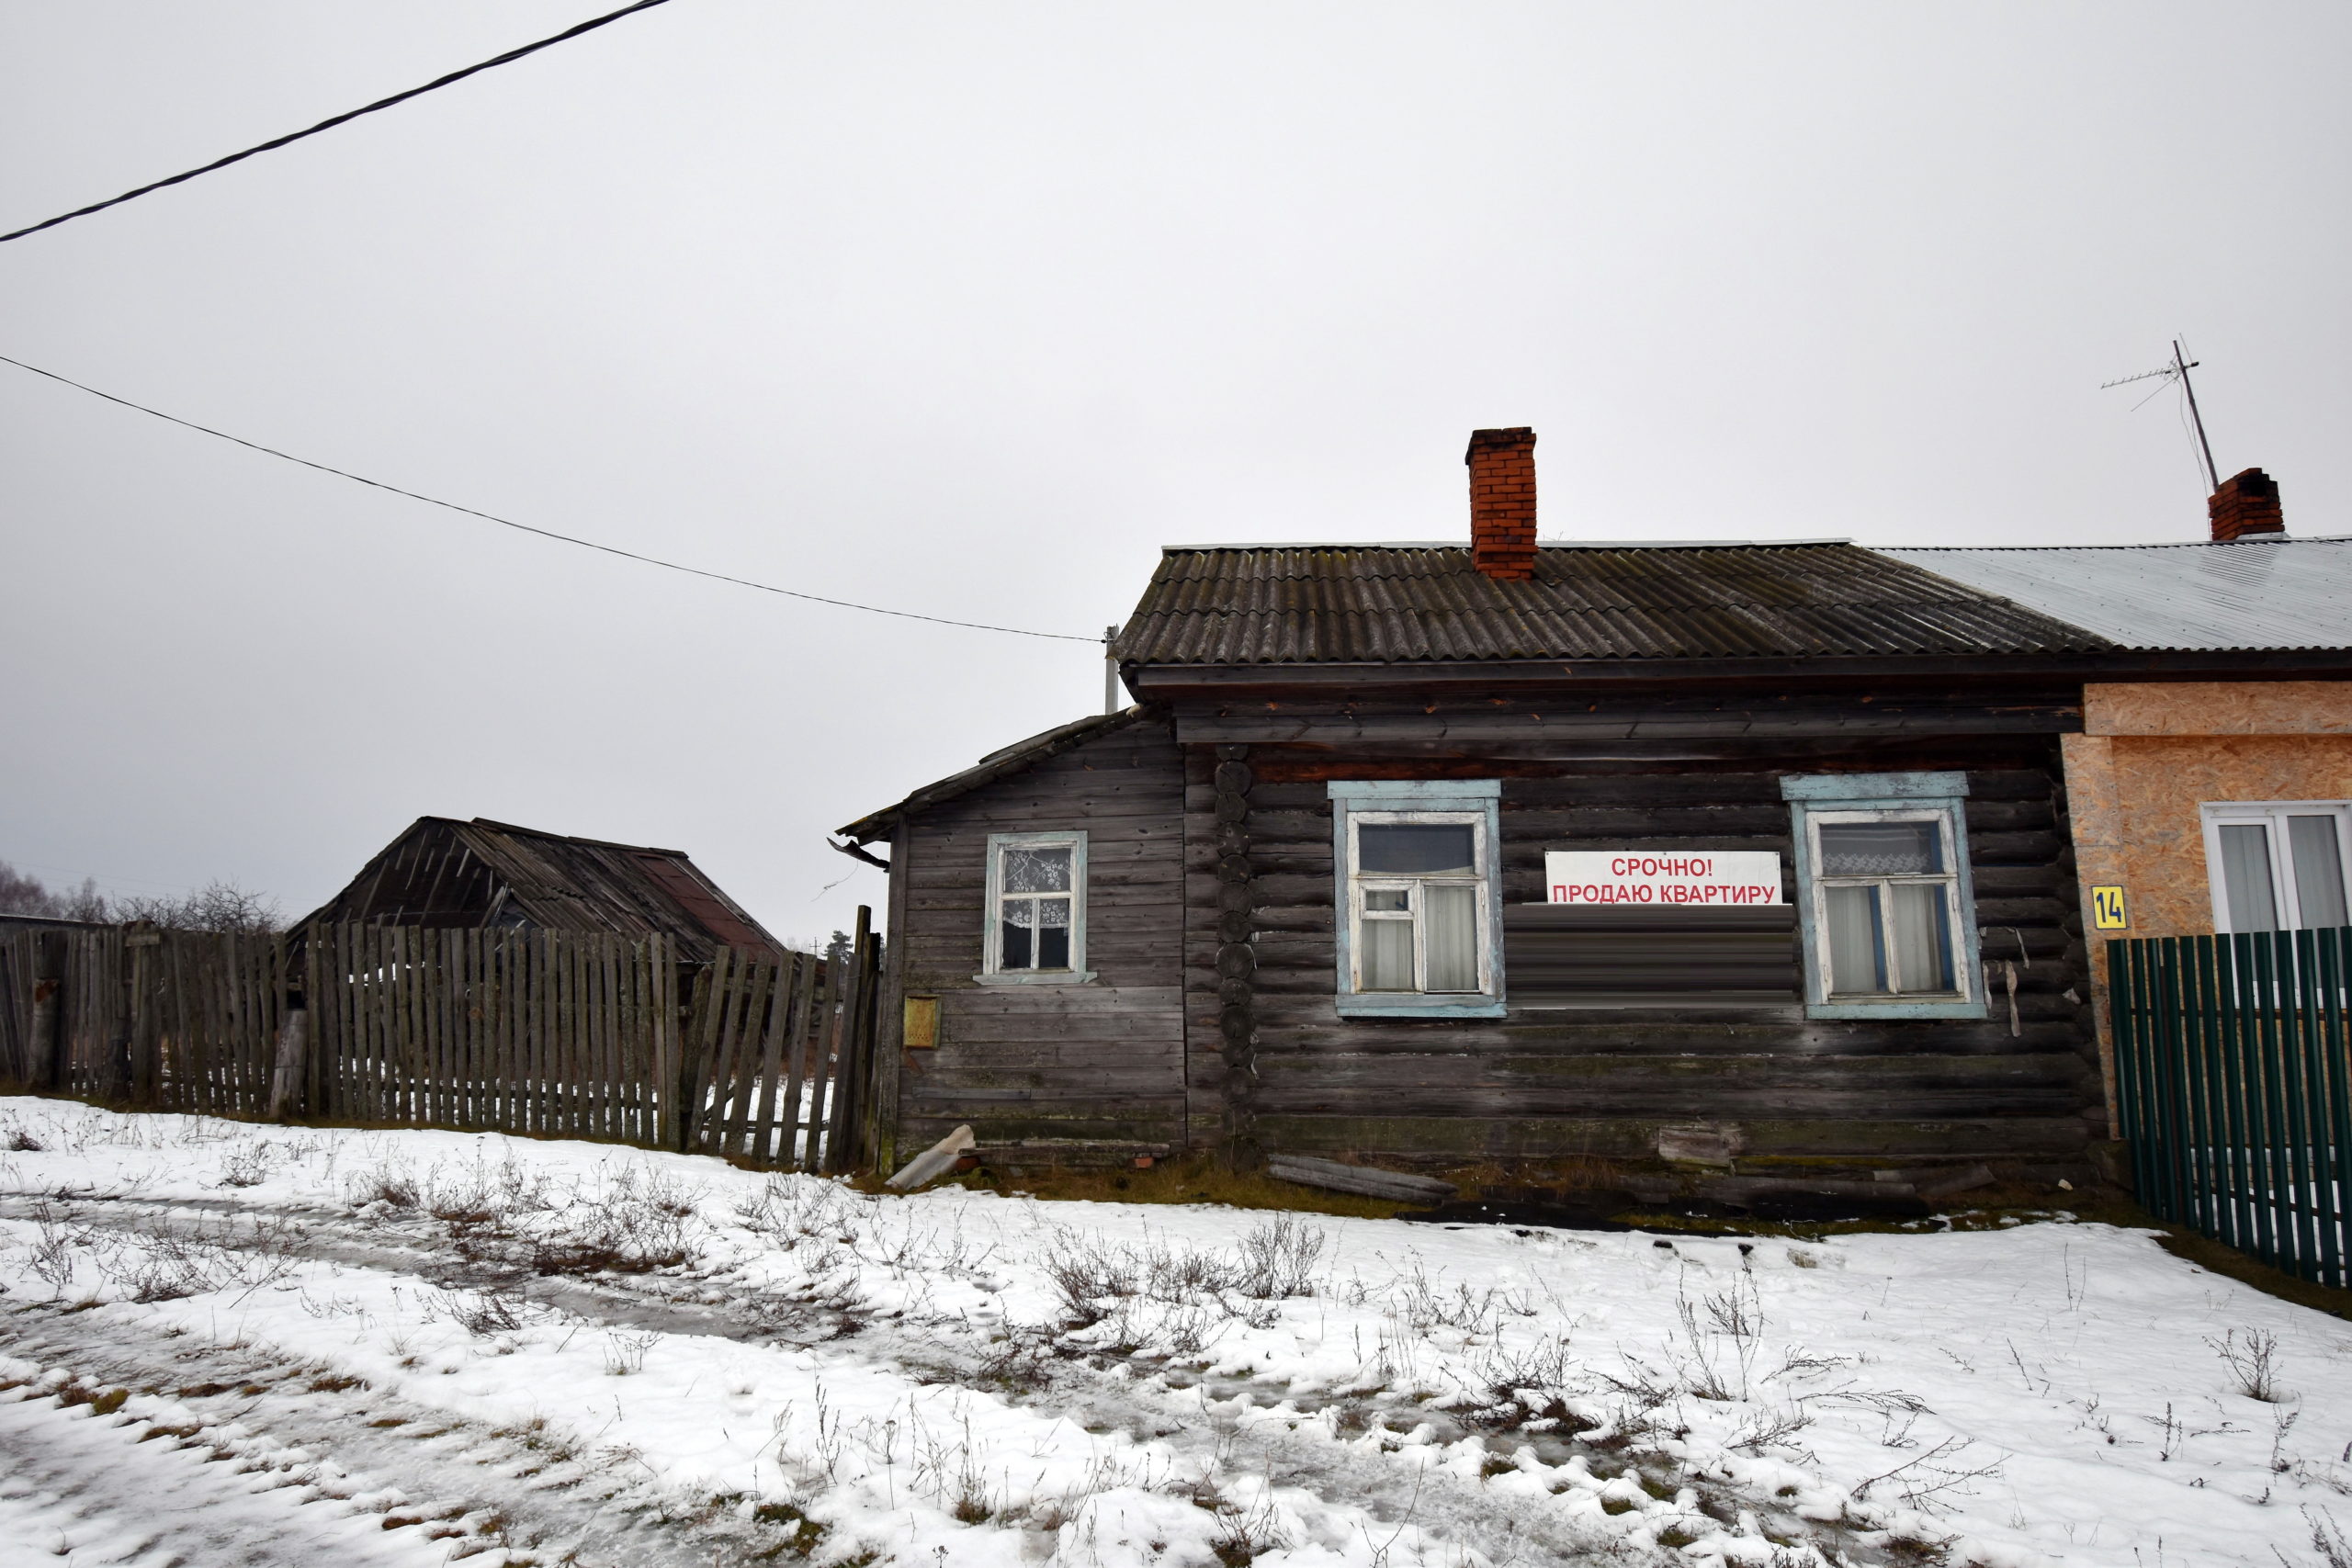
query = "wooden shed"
x=444 y=873
x=1492 y=850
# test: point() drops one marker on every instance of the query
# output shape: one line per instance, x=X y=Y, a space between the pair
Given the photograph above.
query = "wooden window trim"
x=992 y=972
x=1474 y=802
x=1861 y=797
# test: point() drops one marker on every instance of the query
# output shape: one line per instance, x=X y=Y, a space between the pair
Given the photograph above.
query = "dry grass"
x=2230 y=1264
x=1197 y=1181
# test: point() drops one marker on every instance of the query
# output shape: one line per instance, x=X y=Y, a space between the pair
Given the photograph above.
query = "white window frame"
x=1471 y=803
x=1361 y=882
x=1955 y=926
x=992 y=970
x=1816 y=799
x=2272 y=815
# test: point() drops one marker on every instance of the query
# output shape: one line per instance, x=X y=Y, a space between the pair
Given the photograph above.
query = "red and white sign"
x=1714 y=877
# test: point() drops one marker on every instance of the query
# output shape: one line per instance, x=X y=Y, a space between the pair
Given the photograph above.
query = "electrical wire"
x=507 y=58
x=542 y=533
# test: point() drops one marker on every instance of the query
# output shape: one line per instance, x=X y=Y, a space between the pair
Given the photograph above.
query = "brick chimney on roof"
x=2247 y=503
x=1502 y=503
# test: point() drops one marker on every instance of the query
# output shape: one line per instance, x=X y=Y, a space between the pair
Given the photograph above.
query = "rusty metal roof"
x=446 y=872
x=2257 y=593
x=1397 y=603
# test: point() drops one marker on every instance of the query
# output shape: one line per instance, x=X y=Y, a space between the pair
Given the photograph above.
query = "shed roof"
x=2263 y=592
x=1396 y=603
x=998 y=764
x=444 y=870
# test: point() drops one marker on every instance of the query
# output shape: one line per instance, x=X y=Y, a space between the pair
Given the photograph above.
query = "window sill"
x=1419 y=1007
x=1891 y=1009
x=1038 y=978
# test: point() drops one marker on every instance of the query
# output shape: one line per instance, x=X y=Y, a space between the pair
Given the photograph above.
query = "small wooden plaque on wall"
x=921 y=1030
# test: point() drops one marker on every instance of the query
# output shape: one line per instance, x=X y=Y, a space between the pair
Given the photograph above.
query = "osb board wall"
x=2135 y=798
x=2219 y=708
x=2151 y=755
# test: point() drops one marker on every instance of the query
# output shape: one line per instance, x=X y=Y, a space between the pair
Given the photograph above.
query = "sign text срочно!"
x=1700 y=877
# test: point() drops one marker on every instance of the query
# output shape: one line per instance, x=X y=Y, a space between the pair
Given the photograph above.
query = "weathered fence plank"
x=578 y=1035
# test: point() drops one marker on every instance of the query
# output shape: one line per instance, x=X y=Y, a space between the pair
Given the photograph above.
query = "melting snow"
x=232 y=1344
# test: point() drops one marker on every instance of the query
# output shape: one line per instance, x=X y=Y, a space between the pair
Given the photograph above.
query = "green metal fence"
x=2233 y=1065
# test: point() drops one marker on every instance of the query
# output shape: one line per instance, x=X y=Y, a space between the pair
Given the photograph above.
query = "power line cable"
x=509 y=57
x=542 y=533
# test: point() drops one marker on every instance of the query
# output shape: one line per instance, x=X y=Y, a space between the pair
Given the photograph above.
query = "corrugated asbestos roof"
x=2258 y=594
x=1388 y=603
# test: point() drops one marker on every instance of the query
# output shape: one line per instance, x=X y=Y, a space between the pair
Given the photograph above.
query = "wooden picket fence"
x=2234 y=1067
x=566 y=1034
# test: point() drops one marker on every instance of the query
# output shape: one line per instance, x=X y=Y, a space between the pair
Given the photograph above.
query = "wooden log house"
x=1362 y=873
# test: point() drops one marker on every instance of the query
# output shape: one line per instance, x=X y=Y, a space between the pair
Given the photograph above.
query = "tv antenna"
x=2178 y=371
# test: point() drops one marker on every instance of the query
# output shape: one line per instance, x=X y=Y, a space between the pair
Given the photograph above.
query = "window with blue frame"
x=1886 y=907
x=1417 y=900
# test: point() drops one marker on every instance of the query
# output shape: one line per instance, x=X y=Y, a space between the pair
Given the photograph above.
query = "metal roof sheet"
x=1371 y=604
x=2254 y=594
x=446 y=871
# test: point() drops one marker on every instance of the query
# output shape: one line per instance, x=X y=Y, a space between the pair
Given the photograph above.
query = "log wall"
x=1273 y=1068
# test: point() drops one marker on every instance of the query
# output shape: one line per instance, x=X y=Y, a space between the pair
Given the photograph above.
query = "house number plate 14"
x=1703 y=877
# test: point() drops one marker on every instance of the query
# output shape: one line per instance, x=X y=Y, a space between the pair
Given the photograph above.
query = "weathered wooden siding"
x=1631 y=772
x=1052 y=1066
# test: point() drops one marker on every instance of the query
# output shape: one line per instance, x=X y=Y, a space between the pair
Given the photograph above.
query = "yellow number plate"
x=2107 y=913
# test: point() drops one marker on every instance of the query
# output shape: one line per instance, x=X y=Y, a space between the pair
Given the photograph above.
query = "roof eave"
x=996 y=765
x=1162 y=681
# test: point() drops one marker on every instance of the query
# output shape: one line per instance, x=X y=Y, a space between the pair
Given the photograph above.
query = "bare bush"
x=219 y=905
x=246 y=1166
x=391 y=1184
x=625 y=1353
x=2252 y=1361
x=2335 y=1548
x=1528 y=1388
x=1085 y=1275
x=51 y=1260
x=166 y=1265
x=1275 y=1261
x=1423 y=1306
x=1244 y=1537
x=1923 y=1482
x=486 y=1313
x=793 y=1210
x=1720 y=1358
x=1769 y=1428
x=640 y=1224
x=1278 y=1259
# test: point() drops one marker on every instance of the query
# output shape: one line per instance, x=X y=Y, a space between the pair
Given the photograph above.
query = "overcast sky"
x=966 y=310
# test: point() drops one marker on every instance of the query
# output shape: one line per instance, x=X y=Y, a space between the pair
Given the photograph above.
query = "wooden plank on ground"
x=1363 y=1180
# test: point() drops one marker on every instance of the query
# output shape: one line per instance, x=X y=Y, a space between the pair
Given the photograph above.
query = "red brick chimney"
x=2247 y=503
x=1502 y=503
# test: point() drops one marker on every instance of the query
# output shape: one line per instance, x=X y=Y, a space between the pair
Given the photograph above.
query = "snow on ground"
x=229 y=1344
